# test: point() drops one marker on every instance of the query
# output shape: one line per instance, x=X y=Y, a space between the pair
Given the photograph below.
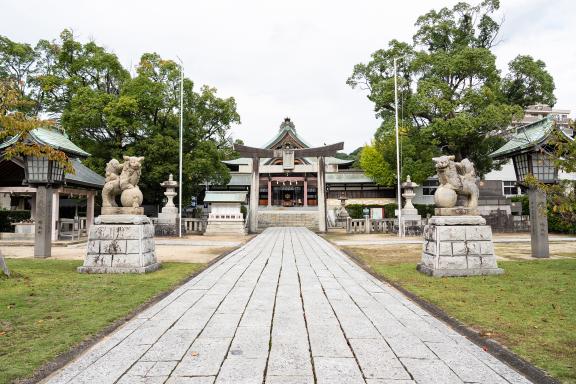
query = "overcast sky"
x=289 y=58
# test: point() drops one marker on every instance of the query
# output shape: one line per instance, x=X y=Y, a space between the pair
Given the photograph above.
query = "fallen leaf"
x=194 y=353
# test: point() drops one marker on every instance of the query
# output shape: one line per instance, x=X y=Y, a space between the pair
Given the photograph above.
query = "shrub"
x=7 y=217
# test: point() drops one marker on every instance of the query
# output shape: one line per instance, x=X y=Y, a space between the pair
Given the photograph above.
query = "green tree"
x=528 y=82
x=450 y=91
x=108 y=112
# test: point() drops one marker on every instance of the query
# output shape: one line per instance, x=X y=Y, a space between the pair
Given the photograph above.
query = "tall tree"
x=449 y=88
x=528 y=82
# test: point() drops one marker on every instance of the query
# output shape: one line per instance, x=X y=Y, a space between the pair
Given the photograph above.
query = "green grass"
x=531 y=308
x=47 y=307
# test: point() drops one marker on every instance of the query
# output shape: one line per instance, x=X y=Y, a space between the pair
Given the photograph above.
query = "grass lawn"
x=47 y=307
x=531 y=308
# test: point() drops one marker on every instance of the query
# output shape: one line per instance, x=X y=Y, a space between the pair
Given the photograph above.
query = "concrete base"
x=225 y=227
x=146 y=269
x=458 y=246
x=120 y=244
x=457 y=272
x=122 y=211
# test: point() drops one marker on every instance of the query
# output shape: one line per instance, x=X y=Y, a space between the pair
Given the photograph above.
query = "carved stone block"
x=120 y=244
x=454 y=248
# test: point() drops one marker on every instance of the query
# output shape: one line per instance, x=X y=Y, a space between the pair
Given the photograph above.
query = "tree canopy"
x=452 y=97
x=109 y=112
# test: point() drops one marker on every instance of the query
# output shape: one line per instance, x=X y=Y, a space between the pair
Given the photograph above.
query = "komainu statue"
x=455 y=179
x=122 y=179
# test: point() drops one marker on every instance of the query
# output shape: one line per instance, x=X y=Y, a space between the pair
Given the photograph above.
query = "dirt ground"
x=411 y=253
x=189 y=249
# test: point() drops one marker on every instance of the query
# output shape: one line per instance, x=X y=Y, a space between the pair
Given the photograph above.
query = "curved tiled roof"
x=525 y=138
x=51 y=137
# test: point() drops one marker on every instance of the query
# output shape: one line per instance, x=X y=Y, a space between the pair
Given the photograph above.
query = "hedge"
x=7 y=217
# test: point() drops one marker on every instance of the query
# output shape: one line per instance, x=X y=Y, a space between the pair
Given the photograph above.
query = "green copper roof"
x=225 y=197
x=286 y=128
x=84 y=176
x=51 y=137
x=526 y=137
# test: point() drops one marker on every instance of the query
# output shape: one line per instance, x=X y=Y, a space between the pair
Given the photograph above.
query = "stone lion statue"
x=455 y=179
x=122 y=179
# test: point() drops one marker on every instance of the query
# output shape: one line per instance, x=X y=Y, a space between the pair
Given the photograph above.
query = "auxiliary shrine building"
x=290 y=195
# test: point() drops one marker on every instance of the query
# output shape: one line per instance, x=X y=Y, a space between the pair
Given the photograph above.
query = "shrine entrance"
x=293 y=189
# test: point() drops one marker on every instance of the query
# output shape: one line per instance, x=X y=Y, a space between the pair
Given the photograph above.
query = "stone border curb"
x=64 y=358
x=491 y=346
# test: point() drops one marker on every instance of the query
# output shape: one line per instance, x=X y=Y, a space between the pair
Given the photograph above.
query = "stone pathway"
x=286 y=308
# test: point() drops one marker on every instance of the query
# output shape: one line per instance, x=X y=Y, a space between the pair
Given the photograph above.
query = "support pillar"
x=33 y=207
x=538 y=223
x=321 y=195
x=43 y=223
x=89 y=211
x=254 y=190
x=55 y=213
x=305 y=192
x=269 y=192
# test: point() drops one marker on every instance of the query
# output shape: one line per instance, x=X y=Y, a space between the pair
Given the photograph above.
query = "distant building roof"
x=525 y=138
x=51 y=137
x=225 y=197
x=287 y=128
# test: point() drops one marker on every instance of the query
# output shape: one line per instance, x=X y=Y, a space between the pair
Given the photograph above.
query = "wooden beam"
x=327 y=150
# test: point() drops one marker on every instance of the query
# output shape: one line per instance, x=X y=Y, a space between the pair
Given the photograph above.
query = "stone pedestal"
x=120 y=244
x=167 y=224
x=216 y=227
x=458 y=246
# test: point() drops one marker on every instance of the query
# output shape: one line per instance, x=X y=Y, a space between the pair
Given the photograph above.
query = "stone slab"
x=135 y=218
x=457 y=220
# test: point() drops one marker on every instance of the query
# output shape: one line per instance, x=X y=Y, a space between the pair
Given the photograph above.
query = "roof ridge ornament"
x=287 y=124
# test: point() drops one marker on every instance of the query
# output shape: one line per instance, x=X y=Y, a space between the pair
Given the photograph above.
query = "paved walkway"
x=285 y=308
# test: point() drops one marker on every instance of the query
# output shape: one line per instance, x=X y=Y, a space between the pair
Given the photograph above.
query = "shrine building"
x=289 y=175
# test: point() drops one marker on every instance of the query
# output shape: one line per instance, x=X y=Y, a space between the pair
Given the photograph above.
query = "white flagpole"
x=398 y=176
x=180 y=181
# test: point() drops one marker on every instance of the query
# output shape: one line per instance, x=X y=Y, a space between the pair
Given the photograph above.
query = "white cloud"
x=287 y=58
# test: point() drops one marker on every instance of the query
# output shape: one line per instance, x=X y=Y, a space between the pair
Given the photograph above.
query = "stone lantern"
x=341 y=212
x=528 y=150
x=409 y=212
x=168 y=218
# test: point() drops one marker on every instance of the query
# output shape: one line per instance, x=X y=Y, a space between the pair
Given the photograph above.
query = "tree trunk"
x=3 y=266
